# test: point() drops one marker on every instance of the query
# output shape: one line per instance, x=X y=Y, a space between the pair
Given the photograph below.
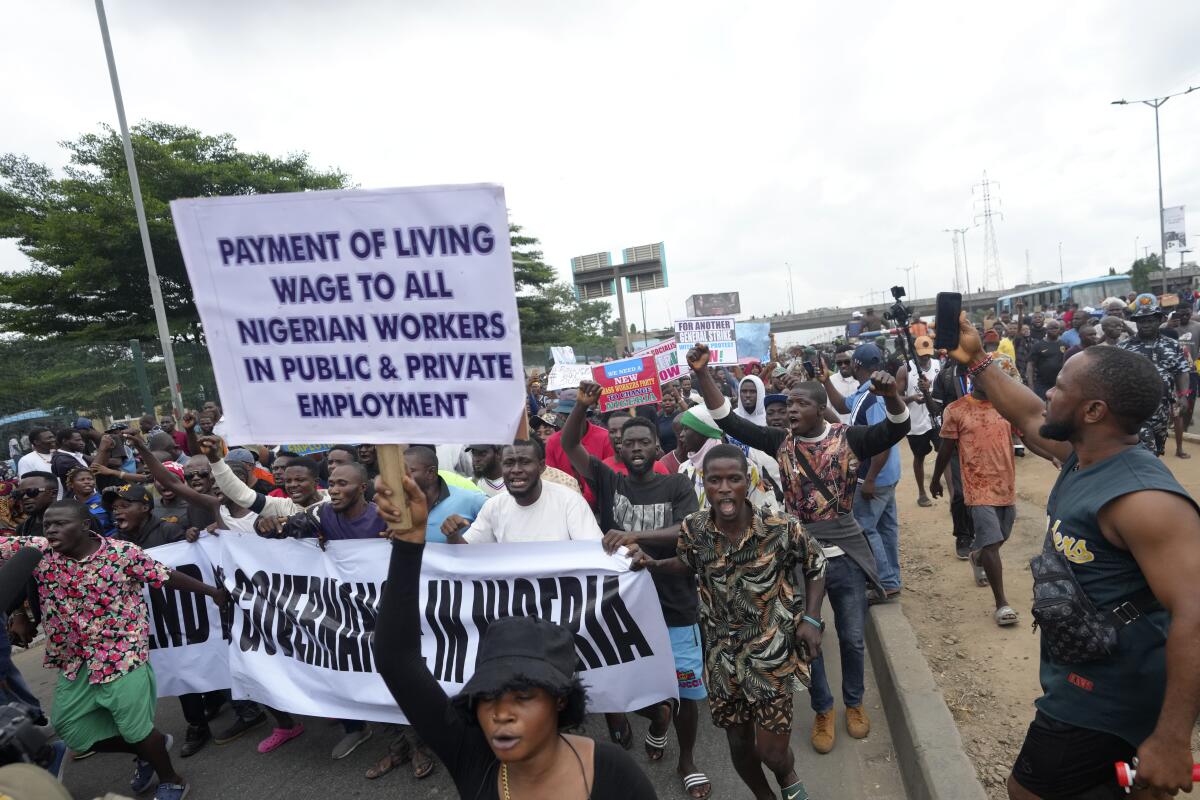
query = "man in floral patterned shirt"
x=758 y=639
x=97 y=637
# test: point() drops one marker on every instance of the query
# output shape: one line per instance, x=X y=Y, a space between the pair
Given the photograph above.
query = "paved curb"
x=932 y=760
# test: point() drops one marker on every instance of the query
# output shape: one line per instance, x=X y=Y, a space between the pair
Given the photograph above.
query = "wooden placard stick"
x=523 y=424
x=392 y=470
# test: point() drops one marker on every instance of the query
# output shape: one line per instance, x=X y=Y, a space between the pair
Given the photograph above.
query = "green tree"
x=549 y=311
x=88 y=278
x=1139 y=273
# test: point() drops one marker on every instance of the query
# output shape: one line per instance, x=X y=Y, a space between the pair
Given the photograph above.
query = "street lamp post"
x=1156 y=103
x=156 y=299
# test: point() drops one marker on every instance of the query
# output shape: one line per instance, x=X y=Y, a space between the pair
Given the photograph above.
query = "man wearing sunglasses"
x=36 y=491
x=843 y=380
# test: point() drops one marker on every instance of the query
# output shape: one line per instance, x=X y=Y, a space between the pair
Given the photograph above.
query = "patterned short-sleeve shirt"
x=93 y=611
x=748 y=606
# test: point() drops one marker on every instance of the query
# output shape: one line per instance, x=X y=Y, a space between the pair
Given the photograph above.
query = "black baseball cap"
x=133 y=492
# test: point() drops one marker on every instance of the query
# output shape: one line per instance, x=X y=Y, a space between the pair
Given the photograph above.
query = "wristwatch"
x=819 y=624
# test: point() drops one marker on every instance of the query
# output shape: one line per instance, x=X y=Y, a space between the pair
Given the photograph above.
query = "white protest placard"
x=567 y=376
x=303 y=620
x=666 y=357
x=719 y=333
x=563 y=355
x=187 y=646
x=382 y=316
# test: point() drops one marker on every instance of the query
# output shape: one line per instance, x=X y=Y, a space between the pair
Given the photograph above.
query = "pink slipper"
x=279 y=737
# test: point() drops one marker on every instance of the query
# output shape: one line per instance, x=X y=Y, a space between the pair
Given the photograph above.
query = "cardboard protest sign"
x=666 y=359
x=754 y=340
x=719 y=333
x=627 y=383
x=567 y=376
x=563 y=355
x=380 y=316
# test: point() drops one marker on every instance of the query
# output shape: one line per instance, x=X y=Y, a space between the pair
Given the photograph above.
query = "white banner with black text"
x=299 y=635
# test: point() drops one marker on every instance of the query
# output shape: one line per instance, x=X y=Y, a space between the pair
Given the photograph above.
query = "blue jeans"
x=12 y=684
x=846 y=588
x=878 y=519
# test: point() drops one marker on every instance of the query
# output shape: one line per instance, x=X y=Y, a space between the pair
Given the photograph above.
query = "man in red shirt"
x=595 y=441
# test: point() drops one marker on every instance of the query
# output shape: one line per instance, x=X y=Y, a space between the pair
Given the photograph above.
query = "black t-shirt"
x=659 y=502
x=666 y=432
x=1047 y=359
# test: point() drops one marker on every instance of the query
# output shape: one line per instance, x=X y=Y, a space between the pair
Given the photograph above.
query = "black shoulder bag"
x=1074 y=629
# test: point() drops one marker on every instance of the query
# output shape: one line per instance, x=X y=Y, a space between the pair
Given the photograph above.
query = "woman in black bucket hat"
x=501 y=737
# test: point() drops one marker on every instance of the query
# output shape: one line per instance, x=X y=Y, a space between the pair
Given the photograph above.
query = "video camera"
x=899 y=314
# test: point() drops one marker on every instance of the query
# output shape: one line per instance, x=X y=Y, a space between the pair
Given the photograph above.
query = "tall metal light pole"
x=160 y=311
x=963 y=233
x=791 y=292
x=1155 y=103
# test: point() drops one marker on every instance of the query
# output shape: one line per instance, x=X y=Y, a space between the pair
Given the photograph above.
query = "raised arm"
x=397 y=642
x=1015 y=402
x=572 y=436
x=745 y=431
x=868 y=441
x=233 y=487
x=167 y=478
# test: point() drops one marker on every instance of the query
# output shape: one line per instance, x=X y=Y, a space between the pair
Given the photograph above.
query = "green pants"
x=85 y=713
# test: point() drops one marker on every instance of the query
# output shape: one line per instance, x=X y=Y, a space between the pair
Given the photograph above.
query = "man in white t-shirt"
x=42 y=455
x=917 y=382
x=843 y=378
x=532 y=510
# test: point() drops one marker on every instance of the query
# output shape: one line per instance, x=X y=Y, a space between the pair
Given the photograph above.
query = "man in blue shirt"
x=443 y=499
x=875 y=498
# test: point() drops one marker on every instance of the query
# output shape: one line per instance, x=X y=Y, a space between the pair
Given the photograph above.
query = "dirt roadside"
x=988 y=675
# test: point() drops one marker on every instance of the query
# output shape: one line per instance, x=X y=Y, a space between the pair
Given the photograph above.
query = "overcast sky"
x=841 y=138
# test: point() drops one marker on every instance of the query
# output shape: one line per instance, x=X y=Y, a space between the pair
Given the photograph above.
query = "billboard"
x=644 y=269
x=722 y=304
x=1174 y=229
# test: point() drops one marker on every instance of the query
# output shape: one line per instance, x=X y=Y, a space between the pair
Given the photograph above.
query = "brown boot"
x=858 y=724
x=823 y=732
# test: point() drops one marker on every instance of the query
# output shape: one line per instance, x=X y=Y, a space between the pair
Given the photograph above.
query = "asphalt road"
x=303 y=769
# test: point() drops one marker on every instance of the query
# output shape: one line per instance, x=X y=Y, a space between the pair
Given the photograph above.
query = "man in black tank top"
x=1108 y=516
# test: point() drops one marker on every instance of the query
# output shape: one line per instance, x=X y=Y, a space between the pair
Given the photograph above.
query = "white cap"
x=856 y=314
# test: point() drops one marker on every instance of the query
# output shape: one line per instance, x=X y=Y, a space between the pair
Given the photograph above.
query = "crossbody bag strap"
x=811 y=474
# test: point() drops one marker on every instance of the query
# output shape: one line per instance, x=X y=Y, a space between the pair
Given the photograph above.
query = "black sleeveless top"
x=1122 y=695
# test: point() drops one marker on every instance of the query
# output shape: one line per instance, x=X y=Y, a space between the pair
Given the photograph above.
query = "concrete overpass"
x=838 y=317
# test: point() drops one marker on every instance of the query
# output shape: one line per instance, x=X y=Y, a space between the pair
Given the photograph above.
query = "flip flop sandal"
x=393 y=759
x=981 y=578
x=924 y=502
x=695 y=781
x=622 y=737
x=655 y=746
x=422 y=763
x=1005 y=616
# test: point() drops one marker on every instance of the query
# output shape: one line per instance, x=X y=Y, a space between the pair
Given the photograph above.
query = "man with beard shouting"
x=1125 y=538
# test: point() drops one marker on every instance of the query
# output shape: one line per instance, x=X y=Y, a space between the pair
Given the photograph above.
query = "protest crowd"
x=663 y=535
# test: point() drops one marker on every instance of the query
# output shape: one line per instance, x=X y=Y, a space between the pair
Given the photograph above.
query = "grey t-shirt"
x=1189 y=340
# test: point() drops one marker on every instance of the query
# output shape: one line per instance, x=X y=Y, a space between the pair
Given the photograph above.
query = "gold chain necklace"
x=582 y=773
